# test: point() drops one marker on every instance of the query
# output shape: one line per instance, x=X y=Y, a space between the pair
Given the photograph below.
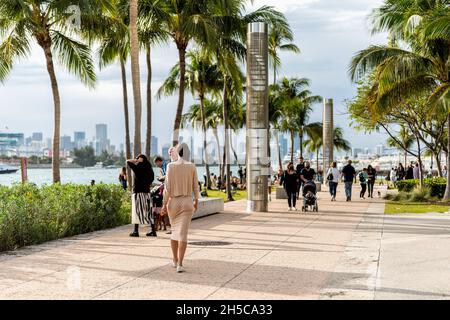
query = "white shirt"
x=336 y=174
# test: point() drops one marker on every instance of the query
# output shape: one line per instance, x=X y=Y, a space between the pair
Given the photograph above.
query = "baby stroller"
x=157 y=203
x=309 y=197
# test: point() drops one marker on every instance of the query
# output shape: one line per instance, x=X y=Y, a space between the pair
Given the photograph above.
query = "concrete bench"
x=208 y=206
x=281 y=193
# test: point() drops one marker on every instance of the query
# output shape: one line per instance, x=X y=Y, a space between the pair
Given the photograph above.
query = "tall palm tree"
x=114 y=45
x=187 y=20
x=152 y=31
x=280 y=39
x=404 y=141
x=413 y=71
x=202 y=77
x=48 y=24
x=135 y=75
x=275 y=115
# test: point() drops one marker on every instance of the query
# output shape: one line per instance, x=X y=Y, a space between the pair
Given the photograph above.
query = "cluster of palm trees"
x=409 y=78
x=122 y=29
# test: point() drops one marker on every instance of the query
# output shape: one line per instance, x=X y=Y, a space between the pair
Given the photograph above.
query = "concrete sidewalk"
x=345 y=251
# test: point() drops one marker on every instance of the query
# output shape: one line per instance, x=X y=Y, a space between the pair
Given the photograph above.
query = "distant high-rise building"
x=121 y=147
x=10 y=141
x=79 y=139
x=28 y=141
x=356 y=152
x=101 y=132
x=37 y=136
x=165 y=151
x=154 y=146
x=296 y=143
x=66 y=143
x=366 y=150
x=379 y=149
x=283 y=146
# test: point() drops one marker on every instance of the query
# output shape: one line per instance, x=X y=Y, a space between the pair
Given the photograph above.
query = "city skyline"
x=310 y=20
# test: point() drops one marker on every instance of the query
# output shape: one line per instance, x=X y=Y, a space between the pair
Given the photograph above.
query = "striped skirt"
x=141 y=209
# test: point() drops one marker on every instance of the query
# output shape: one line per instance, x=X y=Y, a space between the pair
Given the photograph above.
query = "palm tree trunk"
x=447 y=188
x=148 y=141
x=438 y=163
x=234 y=152
x=419 y=160
x=57 y=112
x=135 y=75
x=300 y=138
x=227 y=140
x=177 y=123
x=280 y=163
x=317 y=160
x=127 y=121
x=205 y=144
x=405 y=155
x=216 y=135
x=292 y=146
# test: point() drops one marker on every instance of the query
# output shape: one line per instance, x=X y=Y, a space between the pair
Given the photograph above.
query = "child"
x=363 y=176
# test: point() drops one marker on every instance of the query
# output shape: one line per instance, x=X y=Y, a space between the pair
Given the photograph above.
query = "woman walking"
x=141 y=200
x=333 y=177
x=181 y=185
x=123 y=178
x=371 y=176
x=290 y=184
x=363 y=182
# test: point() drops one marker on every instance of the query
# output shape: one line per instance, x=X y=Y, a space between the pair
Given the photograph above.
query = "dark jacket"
x=290 y=181
x=143 y=176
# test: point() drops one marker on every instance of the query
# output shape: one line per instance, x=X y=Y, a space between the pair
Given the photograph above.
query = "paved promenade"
x=345 y=251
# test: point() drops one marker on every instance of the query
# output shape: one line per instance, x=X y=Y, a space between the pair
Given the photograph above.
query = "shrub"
x=32 y=215
x=435 y=185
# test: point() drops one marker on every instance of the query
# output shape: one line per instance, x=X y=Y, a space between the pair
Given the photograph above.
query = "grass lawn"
x=239 y=195
x=394 y=207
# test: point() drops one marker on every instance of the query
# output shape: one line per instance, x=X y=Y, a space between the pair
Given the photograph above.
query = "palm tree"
x=419 y=68
x=315 y=141
x=275 y=115
x=299 y=99
x=277 y=38
x=405 y=141
x=135 y=75
x=114 y=45
x=47 y=23
x=202 y=77
x=152 y=31
x=186 y=20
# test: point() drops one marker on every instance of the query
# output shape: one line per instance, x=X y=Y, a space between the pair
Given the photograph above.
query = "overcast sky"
x=328 y=33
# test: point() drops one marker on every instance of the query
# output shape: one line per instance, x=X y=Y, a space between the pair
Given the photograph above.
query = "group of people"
x=219 y=182
x=179 y=192
x=411 y=172
x=292 y=179
x=348 y=174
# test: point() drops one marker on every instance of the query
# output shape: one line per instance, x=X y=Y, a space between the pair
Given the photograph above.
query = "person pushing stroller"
x=307 y=175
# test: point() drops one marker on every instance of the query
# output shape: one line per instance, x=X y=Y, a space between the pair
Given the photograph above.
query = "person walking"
x=363 y=177
x=371 y=177
x=180 y=201
x=401 y=172
x=409 y=173
x=290 y=184
x=333 y=177
x=393 y=176
x=416 y=171
x=141 y=207
x=300 y=166
x=348 y=174
x=123 y=178
x=162 y=168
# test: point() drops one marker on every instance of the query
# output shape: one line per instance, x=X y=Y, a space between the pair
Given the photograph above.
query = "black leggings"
x=370 y=187
x=292 y=198
x=363 y=190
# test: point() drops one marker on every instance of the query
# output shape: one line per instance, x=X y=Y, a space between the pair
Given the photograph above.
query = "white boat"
x=98 y=165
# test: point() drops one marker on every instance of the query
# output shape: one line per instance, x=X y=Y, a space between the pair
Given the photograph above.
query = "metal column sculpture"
x=328 y=146
x=258 y=161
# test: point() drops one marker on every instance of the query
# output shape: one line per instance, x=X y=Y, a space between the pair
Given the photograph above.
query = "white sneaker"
x=295 y=208
x=180 y=269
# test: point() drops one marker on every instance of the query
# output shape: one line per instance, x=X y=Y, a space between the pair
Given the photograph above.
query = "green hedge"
x=32 y=215
x=435 y=185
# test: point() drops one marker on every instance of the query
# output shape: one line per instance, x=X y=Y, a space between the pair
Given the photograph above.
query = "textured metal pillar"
x=328 y=146
x=258 y=161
